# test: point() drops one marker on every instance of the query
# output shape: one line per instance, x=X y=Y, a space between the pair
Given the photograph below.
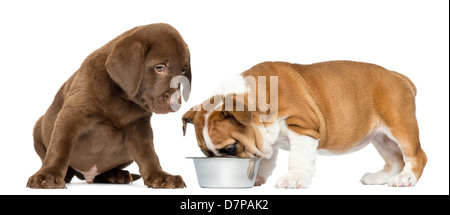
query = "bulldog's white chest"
x=275 y=135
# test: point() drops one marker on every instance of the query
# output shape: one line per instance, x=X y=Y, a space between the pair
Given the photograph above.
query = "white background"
x=43 y=42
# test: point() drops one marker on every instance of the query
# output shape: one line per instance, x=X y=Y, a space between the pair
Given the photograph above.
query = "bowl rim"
x=221 y=158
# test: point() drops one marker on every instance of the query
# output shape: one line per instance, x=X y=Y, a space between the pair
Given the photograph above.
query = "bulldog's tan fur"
x=331 y=107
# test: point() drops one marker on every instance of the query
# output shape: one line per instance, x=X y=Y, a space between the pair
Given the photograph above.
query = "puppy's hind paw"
x=377 y=178
x=404 y=179
x=116 y=176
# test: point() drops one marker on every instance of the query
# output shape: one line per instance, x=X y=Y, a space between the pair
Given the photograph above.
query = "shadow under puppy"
x=332 y=107
x=99 y=121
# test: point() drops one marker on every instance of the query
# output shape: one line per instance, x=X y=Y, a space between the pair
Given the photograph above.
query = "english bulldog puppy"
x=334 y=107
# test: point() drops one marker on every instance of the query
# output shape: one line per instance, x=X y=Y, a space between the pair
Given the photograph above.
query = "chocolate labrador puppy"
x=99 y=121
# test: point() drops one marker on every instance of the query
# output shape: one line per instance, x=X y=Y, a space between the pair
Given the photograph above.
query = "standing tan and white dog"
x=332 y=107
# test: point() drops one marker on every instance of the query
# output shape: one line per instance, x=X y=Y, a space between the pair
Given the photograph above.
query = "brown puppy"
x=99 y=121
x=332 y=107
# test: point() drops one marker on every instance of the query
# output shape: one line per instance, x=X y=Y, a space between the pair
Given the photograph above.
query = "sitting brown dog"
x=99 y=121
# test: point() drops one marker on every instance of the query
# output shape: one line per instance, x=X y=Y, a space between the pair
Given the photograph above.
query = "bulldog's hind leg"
x=413 y=156
x=395 y=104
x=401 y=127
x=393 y=158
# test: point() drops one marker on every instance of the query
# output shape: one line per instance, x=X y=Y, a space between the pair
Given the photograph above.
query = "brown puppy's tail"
x=135 y=176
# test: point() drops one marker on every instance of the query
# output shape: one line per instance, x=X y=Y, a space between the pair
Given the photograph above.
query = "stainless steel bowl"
x=226 y=172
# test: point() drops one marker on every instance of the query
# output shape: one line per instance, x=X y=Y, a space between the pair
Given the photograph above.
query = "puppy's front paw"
x=293 y=180
x=164 y=180
x=46 y=181
x=260 y=180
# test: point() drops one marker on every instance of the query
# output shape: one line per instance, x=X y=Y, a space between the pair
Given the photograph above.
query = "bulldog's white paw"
x=293 y=180
x=404 y=179
x=380 y=177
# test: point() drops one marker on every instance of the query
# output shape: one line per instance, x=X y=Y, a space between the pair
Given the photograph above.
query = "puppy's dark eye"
x=160 y=68
x=231 y=150
x=183 y=72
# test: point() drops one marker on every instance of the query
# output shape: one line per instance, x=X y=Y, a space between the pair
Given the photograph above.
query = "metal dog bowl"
x=220 y=172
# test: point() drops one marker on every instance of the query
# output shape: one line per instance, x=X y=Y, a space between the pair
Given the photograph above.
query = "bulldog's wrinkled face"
x=226 y=133
x=226 y=136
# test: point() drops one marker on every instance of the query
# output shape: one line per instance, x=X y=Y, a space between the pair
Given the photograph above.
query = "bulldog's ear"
x=188 y=117
x=244 y=117
x=240 y=112
x=125 y=64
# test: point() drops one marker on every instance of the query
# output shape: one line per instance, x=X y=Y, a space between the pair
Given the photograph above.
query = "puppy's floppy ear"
x=240 y=112
x=188 y=117
x=243 y=117
x=125 y=64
